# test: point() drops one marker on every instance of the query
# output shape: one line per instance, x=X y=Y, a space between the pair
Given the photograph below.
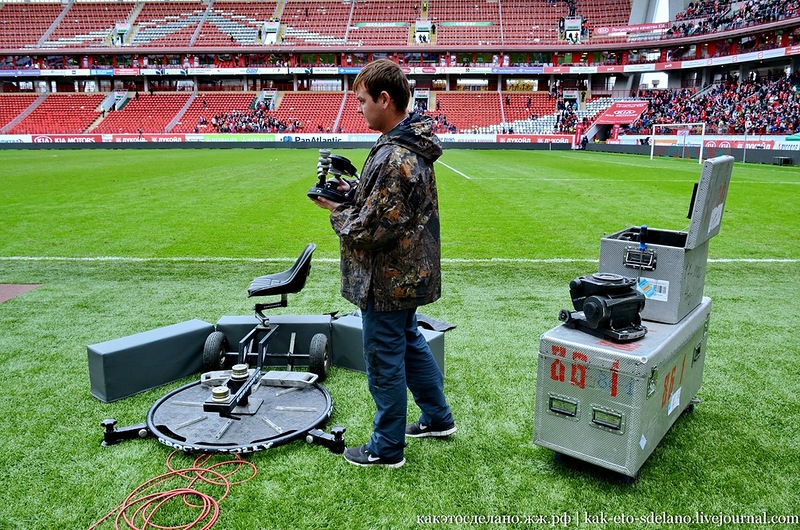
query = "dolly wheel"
x=319 y=356
x=214 y=352
x=564 y=315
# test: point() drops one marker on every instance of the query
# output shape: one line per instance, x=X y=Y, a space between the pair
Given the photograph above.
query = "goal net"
x=684 y=140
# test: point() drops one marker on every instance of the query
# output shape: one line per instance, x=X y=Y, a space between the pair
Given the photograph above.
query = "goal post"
x=679 y=136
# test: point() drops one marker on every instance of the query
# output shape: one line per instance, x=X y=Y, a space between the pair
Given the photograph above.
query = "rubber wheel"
x=564 y=315
x=214 y=351
x=319 y=356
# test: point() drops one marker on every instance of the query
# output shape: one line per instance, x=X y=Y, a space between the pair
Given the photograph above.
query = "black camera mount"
x=337 y=166
x=607 y=306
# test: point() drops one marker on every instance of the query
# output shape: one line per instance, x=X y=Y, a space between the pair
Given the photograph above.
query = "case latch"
x=641 y=259
x=696 y=354
x=651 y=382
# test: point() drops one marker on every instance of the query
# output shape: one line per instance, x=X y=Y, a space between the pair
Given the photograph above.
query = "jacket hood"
x=416 y=134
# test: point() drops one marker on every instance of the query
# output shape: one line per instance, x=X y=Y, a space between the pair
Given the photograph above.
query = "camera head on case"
x=336 y=166
x=606 y=305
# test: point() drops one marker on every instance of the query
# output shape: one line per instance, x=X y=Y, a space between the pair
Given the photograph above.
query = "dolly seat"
x=291 y=280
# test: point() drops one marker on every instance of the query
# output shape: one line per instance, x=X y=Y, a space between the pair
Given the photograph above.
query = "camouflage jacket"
x=389 y=234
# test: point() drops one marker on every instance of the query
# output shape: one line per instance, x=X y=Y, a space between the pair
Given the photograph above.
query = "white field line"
x=451 y=168
x=590 y=179
x=466 y=261
x=644 y=181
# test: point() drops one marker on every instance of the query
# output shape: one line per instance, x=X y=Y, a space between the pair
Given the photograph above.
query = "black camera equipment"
x=606 y=305
x=336 y=166
x=241 y=403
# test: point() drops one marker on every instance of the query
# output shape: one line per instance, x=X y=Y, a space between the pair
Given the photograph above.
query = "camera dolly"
x=238 y=407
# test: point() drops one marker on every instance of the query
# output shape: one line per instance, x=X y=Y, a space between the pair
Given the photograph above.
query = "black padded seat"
x=291 y=280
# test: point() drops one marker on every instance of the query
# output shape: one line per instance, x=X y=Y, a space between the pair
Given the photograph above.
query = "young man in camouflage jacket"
x=390 y=262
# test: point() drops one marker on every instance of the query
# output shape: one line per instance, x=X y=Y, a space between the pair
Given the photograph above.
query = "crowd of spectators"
x=709 y=16
x=253 y=121
x=757 y=105
x=441 y=125
x=567 y=118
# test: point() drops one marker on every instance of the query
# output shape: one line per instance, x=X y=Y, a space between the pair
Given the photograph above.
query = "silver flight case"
x=669 y=265
x=610 y=403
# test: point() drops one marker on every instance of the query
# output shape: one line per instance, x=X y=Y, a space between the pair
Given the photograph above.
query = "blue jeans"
x=398 y=357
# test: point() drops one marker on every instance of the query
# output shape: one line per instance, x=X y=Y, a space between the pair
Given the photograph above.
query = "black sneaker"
x=360 y=456
x=420 y=430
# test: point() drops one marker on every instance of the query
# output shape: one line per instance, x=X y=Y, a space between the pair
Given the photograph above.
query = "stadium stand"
x=552 y=121
x=526 y=22
x=176 y=27
x=150 y=113
x=470 y=111
x=235 y=23
x=166 y=23
x=88 y=24
x=755 y=105
x=12 y=107
x=606 y=12
x=451 y=111
x=22 y=25
x=207 y=105
x=61 y=113
x=383 y=23
x=523 y=105
x=74 y=24
x=251 y=121
x=315 y=22
x=466 y=22
x=711 y=16
x=312 y=111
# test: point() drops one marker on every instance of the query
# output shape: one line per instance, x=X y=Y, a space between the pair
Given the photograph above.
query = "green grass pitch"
x=127 y=241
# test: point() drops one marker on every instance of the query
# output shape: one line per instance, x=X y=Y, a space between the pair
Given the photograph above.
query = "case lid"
x=709 y=200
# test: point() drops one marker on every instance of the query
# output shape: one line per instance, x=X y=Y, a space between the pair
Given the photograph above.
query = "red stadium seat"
x=61 y=113
x=151 y=112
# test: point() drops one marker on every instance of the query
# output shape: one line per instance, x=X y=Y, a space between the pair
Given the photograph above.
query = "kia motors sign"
x=739 y=144
x=622 y=112
x=65 y=138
